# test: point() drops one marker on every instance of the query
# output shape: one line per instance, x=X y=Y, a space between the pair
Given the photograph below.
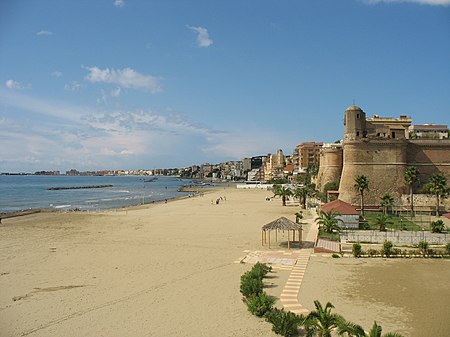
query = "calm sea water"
x=30 y=192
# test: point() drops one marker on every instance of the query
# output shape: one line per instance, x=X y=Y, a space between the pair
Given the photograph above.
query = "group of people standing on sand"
x=218 y=200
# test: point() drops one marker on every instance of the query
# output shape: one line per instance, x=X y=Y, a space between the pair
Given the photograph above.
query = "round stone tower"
x=354 y=123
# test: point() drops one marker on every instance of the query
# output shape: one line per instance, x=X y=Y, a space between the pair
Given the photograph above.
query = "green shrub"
x=335 y=256
x=423 y=246
x=284 y=323
x=447 y=248
x=387 y=248
x=372 y=252
x=437 y=226
x=356 y=250
x=251 y=284
x=261 y=269
x=259 y=305
x=397 y=252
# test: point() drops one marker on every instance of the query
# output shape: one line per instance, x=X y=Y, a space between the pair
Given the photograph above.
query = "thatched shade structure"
x=283 y=224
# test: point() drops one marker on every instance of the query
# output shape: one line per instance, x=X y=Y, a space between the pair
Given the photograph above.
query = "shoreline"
x=183 y=189
x=136 y=270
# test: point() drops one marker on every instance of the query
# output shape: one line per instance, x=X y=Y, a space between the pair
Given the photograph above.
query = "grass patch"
x=329 y=236
x=398 y=223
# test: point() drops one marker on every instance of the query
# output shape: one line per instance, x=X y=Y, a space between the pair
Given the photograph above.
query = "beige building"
x=306 y=154
x=428 y=131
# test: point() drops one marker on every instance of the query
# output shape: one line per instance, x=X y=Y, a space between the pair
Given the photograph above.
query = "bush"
x=251 y=284
x=423 y=246
x=387 y=248
x=356 y=250
x=259 y=305
x=437 y=226
x=260 y=270
x=335 y=256
x=372 y=252
x=284 y=323
x=447 y=248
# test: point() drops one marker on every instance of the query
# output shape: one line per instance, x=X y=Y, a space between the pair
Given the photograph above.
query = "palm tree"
x=387 y=201
x=281 y=191
x=302 y=193
x=321 y=322
x=328 y=221
x=437 y=185
x=376 y=332
x=381 y=221
x=411 y=177
x=361 y=185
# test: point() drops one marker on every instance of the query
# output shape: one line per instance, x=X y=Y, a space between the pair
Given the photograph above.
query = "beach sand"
x=408 y=296
x=170 y=270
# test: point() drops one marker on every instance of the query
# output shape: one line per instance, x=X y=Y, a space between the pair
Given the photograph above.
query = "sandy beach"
x=170 y=270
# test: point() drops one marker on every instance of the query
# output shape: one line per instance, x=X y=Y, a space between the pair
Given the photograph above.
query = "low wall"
x=396 y=237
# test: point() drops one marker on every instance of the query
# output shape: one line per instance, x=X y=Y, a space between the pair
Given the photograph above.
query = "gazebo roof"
x=282 y=224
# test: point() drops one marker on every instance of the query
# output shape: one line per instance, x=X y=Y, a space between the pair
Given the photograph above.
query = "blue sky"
x=130 y=84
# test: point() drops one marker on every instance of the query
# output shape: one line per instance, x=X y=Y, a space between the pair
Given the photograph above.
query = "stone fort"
x=381 y=149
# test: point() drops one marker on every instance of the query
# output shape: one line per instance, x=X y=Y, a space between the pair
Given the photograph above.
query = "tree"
x=381 y=221
x=285 y=323
x=437 y=226
x=328 y=221
x=376 y=332
x=330 y=186
x=387 y=201
x=302 y=193
x=298 y=216
x=411 y=177
x=361 y=185
x=437 y=185
x=321 y=322
x=282 y=192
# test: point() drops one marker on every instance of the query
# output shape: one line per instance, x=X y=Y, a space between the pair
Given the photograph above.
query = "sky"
x=134 y=84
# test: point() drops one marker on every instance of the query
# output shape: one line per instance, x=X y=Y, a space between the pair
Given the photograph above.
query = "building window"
x=393 y=134
x=357 y=133
x=357 y=116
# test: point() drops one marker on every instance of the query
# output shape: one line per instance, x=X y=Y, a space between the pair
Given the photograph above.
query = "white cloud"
x=56 y=73
x=14 y=85
x=119 y=3
x=125 y=78
x=44 y=33
x=422 y=2
x=116 y=92
x=203 y=39
x=73 y=86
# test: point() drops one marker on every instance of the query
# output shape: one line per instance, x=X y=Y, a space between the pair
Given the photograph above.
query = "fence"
x=396 y=237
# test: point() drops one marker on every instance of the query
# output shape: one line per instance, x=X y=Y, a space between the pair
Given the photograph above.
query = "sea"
x=24 y=192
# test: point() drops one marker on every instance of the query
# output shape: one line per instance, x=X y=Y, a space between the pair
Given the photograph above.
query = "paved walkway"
x=330 y=246
x=295 y=260
x=289 y=295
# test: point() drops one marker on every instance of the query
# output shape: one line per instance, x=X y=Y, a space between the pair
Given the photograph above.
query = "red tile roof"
x=447 y=215
x=341 y=207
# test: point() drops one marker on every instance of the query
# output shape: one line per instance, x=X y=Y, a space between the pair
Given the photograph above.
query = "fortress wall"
x=430 y=157
x=382 y=161
x=330 y=168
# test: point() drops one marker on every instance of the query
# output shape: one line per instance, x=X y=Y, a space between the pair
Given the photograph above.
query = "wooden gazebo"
x=282 y=224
